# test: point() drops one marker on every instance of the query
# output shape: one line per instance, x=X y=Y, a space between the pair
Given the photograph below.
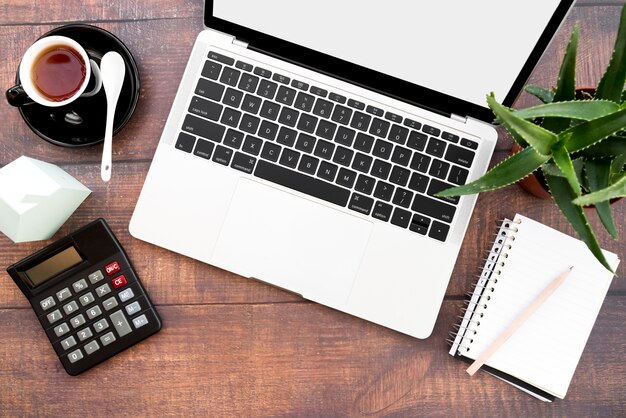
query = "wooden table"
x=235 y=347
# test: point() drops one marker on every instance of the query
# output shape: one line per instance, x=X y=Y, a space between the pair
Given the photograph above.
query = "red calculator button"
x=119 y=281
x=112 y=268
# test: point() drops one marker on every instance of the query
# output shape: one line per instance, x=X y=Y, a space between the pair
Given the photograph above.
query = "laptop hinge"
x=240 y=43
x=462 y=119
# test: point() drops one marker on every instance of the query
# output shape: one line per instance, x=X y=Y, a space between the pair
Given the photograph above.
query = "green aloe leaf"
x=539 y=138
x=564 y=162
x=615 y=190
x=584 y=110
x=563 y=196
x=588 y=133
x=617 y=167
x=509 y=171
x=610 y=147
x=598 y=174
x=545 y=95
x=612 y=82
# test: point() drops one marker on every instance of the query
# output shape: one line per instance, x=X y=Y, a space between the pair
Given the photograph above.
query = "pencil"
x=518 y=322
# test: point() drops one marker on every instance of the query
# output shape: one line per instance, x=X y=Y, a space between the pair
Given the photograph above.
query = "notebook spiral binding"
x=485 y=286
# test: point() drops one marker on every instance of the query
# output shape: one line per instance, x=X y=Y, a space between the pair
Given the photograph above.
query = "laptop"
x=307 y=140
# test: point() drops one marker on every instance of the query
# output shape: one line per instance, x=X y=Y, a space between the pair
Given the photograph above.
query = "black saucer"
x=82 y=122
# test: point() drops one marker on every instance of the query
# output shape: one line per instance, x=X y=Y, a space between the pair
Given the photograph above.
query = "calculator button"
x=80 y=285
x=69 y=342
x=54 y=316
x=70 y=307
x=103 y=290
x=120 y=323
x=94 y=312
x=47 y=303
x=92 y=347
x=61 y=329
x=74 y=356
x=114 y=267
x=77 y=321
x=83 y=334
x=63 y=294
x=110 y=303
x=107 y=338
x=126 y=295
x=101 y=325
x=140 y=321
x=119 y=281
x=86 y=299
x=95 y=277
x=133 y=308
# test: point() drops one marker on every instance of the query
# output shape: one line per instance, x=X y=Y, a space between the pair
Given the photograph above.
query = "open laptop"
x=307 y=140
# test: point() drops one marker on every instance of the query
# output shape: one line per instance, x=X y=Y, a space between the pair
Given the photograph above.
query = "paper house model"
x=36 y=198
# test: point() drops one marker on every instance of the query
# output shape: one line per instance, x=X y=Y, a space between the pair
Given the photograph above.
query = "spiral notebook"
x=541 y=356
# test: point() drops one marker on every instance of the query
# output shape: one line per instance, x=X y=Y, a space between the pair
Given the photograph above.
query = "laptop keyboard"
x=326 y=145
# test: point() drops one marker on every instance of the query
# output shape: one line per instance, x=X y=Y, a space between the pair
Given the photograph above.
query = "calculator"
x=87 y=297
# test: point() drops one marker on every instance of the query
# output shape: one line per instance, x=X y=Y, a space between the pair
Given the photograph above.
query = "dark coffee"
x=58 y=73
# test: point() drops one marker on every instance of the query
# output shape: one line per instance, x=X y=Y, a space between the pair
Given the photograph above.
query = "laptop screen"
x=463 y=49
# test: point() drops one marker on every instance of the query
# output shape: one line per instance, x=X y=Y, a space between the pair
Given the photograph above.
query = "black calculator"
x=87 y=297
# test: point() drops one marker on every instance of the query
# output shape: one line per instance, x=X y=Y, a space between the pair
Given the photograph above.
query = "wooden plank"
x=291 y=360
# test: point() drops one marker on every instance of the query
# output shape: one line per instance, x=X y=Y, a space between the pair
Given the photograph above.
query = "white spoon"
x=112 y=70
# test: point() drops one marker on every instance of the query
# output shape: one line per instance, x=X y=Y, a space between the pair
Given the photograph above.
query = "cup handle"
x=16 y=96
x=95 y=73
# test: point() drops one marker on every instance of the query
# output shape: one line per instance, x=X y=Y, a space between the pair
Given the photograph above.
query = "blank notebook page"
x=545 y=350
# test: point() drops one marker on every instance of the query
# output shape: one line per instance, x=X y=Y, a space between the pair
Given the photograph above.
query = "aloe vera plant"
x=578 y=143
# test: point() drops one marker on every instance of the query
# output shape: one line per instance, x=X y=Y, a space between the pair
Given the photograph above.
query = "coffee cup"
x=54 y=72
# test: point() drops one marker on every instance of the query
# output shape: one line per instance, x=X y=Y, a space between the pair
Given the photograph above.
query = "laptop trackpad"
x=291 y=242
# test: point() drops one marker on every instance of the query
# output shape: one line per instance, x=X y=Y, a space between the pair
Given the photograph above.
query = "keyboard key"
x=221 y=58
x=243 y=162
x=460 y=156
x=318 y=91
x=270 y=151
x=267 y=89
x=419 y=224
x=203 y=128
x=324 y=149
x=326 y=129
x=412 y=123
x=375 y=111
x=420 y=162
x=345 y=136
x=398 y=134
x=202 y=107
x=287 y=136
x=382 y=211
x=252 y=145
x=419 y=182
x=364 y=184
x=379 y=128
x=230 y=76
x=327 y=171
x=308 y=164
x=362 y=162
x=337 y=98
x=431 y=130
x=346 y=178
x=469 y=144
x=439 y=231
x=211 y=70
x=233 y=138
x=304 y=102
x=361 y=204
x=307 y=123
x=402 y=197
x=249 y=83
x=210 y=90
x=300 y=85
x=244 y=66
x=450 y=137
x=222 y=155
x=433 y=208
x=383 y=191
x=185 y=142
x=288 y=116
x=355 y=104
x=281 y=78
x=249 y=124
x=341 y=115
x=360 y=121
x=399 y=175
x=231 y=117
x=289 y=158
x=364 y=142
x=343 y=156
x=232 y=97
x=268 y=130
x=323 y=108
x=401 y=218
x=457 y=175
x=269 y=110
x=286 y=95
x=262 y=72
x=305 y=143
x=435 y=147
x=393 y=117
x=204 y=149
x=439 y=169
x=417 y=140
x=302 y=183
x=436 y=186
x=382 y=149
x=251 y=104
x=401 y=156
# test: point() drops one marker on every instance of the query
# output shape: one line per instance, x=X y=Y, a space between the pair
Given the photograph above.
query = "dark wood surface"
x=235 y=347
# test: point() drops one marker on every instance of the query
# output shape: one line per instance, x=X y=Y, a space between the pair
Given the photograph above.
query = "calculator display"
x=54 y=266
